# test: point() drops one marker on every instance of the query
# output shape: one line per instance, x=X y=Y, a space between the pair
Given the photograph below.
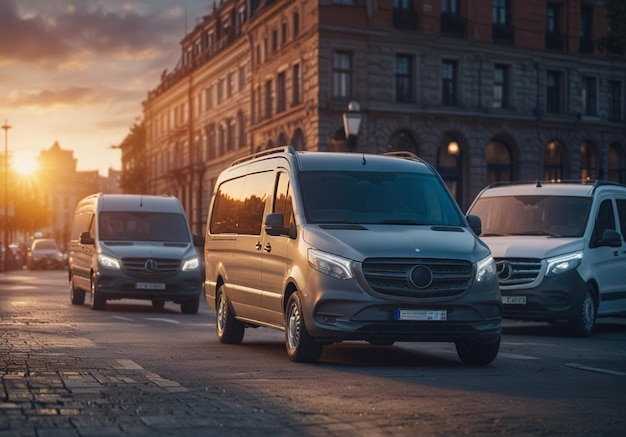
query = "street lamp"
x=351 y=124
x=6 y=128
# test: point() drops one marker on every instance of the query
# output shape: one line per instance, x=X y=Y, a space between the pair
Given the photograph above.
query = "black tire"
x=229 y=330
x=98 y=302
x=301 y=347
x=584 y=323
x=77 y=296
x=477 y=354
x=381 y=342
x=158 y=304
x=190 y=306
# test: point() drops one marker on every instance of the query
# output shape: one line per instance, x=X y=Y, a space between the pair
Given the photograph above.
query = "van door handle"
x=258 y=245
x=268 y=247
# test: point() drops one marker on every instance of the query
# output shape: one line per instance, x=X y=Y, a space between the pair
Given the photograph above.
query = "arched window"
x=499 y=162
x=450 y=166
x=553 y=162
x=270 y=145
x=617 y=163
x=588 y=161
x=402 y=140
x=241 y=124
x=298 y=140
x=282 y=140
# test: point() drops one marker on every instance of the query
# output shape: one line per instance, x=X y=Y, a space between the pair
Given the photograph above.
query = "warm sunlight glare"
x=25 y=165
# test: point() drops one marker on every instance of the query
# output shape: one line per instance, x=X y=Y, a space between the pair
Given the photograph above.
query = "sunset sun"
x=25 y=165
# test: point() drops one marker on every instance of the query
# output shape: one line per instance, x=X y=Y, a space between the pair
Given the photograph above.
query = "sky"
x=77 y=72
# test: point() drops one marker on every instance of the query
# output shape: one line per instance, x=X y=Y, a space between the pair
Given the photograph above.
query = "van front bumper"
x=184 y=286
x=557 y=297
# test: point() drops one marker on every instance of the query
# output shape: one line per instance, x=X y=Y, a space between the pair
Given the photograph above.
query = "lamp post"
x=6 y=128
x=351 y=124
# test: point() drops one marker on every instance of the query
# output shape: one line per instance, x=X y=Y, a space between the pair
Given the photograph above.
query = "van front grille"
x=419 y=278
x=516 y=271
x=150 y=267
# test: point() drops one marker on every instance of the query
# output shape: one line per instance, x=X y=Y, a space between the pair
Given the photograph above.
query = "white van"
x=331 y=247
x=134 y=247
x=559 y=249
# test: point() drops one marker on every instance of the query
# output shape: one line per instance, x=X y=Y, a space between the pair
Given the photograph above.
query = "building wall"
x=374 y=34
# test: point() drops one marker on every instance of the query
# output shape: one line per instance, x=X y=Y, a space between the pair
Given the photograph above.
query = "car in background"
x=44 y=253
x=559 y=249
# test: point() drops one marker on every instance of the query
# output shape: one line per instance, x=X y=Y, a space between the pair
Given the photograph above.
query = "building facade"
x=500 y=90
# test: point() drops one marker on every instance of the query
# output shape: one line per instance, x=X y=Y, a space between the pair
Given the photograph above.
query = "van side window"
x=605 y=220
x=82 y=222
x=282 y=199
x=621 y=212
x=240 y=203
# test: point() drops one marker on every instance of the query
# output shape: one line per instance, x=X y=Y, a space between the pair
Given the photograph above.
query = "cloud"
x=51 y=98
x=59 y=38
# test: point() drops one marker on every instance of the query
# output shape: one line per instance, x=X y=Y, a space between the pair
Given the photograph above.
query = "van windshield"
x=377 y=198
x=143 y=226
x=556 y=216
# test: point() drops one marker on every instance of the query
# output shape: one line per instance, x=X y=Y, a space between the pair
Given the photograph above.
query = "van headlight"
x=331 y=265
x=563 y=263
x=485 y=269
x=108 y=262
x=191 y=264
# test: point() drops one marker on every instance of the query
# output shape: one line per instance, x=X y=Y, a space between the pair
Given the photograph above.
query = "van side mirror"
x=274 y=224
x=198 y=240
x=86 y=238
x=475 y=223
x=610 y=238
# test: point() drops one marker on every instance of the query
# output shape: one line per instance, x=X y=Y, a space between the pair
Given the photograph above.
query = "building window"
x=404 y=90
x=230 y=86
x=588 y=162
x=342 y=74
x=617 y=163
x=554 y=39
x=590 y=96
x=296 y=24
x=554 y=86
x=274 y=40
x=615 y=100
x=281 y=101
x=553 y=162
x=586 y=29
x=450 y=166
x=449 y=83
x=501 y=87
x=451 y=17
x=344 y=2
x=501 y=17
x=208 y=96
x=242 y=78
x=499 y=162
x=220 y=90
x=283 y=32
x=268 y=99
x=296 y=98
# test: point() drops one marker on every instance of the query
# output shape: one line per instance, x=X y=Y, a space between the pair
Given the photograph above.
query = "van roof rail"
x=595 y=182
x=403 y=154
x=275 y=150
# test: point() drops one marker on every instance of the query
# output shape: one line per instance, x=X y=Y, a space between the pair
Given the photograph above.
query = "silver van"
x=332 y=247
x=559 y=249
x=134 y=247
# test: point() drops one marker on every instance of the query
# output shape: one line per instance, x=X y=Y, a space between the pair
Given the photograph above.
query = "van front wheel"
x=477 y=354
x=301 y=347
x=98 y=302
x=582 y=325
x=77 y=296
x=229 y=330
x=190 y=306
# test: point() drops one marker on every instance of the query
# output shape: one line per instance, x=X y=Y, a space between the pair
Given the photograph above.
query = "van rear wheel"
x=229 y=330
x=301 y=347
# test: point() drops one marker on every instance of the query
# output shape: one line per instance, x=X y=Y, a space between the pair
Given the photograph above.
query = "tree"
x=133 y=177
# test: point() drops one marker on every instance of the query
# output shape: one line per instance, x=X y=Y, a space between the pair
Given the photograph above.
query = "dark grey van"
x=333 y=247
x=134 y=247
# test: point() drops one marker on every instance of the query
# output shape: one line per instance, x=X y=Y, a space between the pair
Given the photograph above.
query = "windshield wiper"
x=399 y=222
x=537 y=232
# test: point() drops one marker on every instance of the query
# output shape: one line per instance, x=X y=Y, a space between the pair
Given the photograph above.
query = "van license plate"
x=421 y=315
x=514 y=300
x=149 y=286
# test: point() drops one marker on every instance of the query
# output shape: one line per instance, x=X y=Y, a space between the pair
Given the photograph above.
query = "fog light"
x=326 y=319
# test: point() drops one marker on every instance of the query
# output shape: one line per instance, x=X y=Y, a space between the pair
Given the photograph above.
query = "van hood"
x=358 y=242
x=532 y=246
x=146 y=249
